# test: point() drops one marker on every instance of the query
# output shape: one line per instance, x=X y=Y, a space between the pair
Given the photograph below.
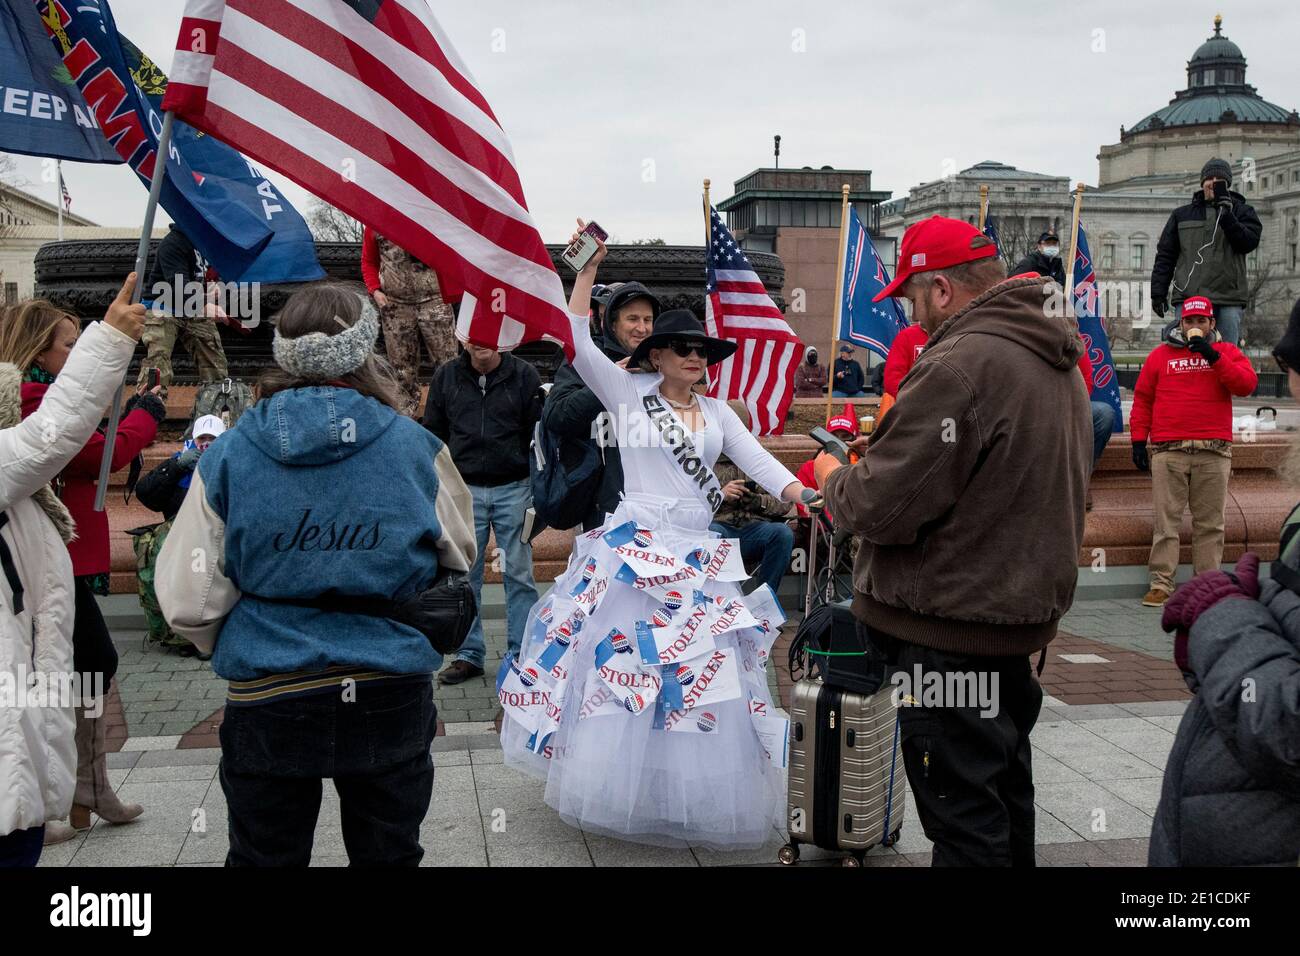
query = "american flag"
x=63 y=188
x=366 y=104
x=737 y=307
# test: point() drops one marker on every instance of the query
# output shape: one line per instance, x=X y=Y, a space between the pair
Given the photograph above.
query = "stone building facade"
x=1154 y=168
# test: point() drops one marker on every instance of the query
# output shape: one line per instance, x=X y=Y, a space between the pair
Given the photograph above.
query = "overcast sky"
x=618 y=110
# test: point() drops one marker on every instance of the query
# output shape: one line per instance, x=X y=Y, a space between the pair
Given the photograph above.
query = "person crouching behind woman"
x=38 y=751
x=323 y=495
x=38 y=338
x=1231 y=793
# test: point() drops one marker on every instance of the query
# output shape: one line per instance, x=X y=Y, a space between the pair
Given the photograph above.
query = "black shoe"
x=458 y=671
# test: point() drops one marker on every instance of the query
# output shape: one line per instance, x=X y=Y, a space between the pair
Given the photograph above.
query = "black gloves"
x=1159 y=307
x=1200 y=344
x=1140 y=459
x=189 y=458
x=149 y=403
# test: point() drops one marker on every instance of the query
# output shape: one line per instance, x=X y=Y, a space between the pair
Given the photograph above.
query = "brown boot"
x=93 y=789
x=1156 y=597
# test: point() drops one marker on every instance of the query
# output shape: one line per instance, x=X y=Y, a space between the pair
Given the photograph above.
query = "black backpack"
x=565 y=476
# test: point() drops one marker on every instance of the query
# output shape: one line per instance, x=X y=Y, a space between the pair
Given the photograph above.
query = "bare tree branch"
x=329 y=224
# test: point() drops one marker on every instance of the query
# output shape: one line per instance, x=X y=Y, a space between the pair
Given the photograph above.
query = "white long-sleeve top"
x=650 y=434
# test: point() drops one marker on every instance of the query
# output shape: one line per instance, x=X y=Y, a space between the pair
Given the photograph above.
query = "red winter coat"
x=1180 y=396
x=90 y=551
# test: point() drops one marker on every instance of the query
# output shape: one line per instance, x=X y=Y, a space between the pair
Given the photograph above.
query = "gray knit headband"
x=321 y=356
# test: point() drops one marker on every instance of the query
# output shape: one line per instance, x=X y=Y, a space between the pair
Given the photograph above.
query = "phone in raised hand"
x=580 y=251
x=831 y=445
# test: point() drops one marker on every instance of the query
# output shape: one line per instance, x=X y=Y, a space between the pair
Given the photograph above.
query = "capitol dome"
x=1216 y=92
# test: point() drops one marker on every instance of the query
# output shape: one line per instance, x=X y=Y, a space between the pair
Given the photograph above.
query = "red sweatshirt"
x=90 y=550
x=1180 y=396
x=903 y=354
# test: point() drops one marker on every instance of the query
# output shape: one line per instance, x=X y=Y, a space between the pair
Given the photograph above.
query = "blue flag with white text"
x=238 y=221
x=1105 y=383
x=42 y=113
x=872 y=325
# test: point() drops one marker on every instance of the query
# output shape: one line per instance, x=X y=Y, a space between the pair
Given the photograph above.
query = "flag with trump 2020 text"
x=1105 y=383
x=760 y=373
x=229 y=234
x=367 y=104
x=42 y=113
x=873 y=325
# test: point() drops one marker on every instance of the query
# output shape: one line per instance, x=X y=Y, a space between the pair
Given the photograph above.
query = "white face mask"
x=1051 y=251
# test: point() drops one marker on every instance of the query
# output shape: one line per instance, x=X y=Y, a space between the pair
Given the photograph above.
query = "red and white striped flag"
x=366 y=104
x=737 y=307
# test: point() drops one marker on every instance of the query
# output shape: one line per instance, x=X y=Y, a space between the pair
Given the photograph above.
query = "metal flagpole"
x=984 y=205
x=708 y=224
x=58 y=199
x=1074 y=250
x=141 y=260
x=837 y=313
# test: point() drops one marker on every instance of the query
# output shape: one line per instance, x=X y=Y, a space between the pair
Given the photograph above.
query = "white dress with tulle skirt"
x=640 y=693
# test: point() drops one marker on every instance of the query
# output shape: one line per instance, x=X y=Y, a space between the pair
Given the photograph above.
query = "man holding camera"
x=967 y=558
x=1203 y=249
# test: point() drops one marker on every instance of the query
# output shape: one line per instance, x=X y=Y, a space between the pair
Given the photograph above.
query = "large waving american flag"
x=737 y=307
x=366 y=104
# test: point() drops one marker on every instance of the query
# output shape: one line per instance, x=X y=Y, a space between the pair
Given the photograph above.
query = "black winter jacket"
x=1231 y=793
x=488 y=428
x=854 y=381
x=1221 y=274
x=161 y=490
x=1037 y=262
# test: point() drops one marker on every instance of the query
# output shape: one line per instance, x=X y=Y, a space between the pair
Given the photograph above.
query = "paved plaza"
x=1099 y=755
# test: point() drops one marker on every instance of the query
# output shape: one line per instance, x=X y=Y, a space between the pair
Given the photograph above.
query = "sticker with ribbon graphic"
x=634 y=686
x=638 y=549
x=723 y=560
x=598 y=700
x=715 y=679
x=686 y=636
x=525 y=703
x=683 y=578
x=701 y=721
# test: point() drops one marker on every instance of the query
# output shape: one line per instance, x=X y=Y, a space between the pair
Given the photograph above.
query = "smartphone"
x=1220 y=189
x=580 y=251
x=153 y=379
x=831 y=444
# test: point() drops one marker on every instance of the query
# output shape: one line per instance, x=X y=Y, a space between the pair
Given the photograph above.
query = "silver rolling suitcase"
x=846 y=778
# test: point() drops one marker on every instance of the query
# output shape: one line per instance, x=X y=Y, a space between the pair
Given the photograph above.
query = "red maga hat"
x=1197 y=305
x=845 y=421
x=937 y=243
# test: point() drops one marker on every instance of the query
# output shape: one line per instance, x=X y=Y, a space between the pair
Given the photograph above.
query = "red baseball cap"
x=845 y=421
x=936 y=243
x=1197 y=305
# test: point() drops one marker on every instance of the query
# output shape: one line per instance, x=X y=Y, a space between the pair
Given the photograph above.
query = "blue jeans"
x=1103 y=423
x=502 y=508
x=375 y=748
x=1227 y=321
x=838 y=394
x=767 y=544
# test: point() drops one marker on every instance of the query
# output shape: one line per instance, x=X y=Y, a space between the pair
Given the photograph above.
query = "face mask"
x=1051 y=251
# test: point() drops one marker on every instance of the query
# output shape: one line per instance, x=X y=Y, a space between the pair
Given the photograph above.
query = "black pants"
x=92 y=646
x=971 y=773
x=21 y=848
x=376 y=749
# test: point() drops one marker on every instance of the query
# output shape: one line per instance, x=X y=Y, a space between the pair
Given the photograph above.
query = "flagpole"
x=1074 y=249
x=838 y=314
x=58 y=199
x=708 y=224
x=141 y=260
x=984 y=205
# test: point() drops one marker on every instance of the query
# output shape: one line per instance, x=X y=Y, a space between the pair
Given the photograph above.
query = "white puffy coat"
x=38 y=755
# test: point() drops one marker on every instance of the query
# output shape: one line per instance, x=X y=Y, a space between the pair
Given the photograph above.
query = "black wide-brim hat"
x=681 y=324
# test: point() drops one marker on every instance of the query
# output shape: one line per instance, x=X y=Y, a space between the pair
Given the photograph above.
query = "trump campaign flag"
x=42 y=113
x=869 y=324
x=737 y=307
x=1105 y=383
x=228 y=233
x=366 y=104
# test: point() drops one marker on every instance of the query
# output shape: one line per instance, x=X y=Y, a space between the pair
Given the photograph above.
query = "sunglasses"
x=683 y=348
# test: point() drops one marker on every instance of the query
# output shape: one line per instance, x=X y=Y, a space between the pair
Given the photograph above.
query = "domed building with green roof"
x=1217 y=114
